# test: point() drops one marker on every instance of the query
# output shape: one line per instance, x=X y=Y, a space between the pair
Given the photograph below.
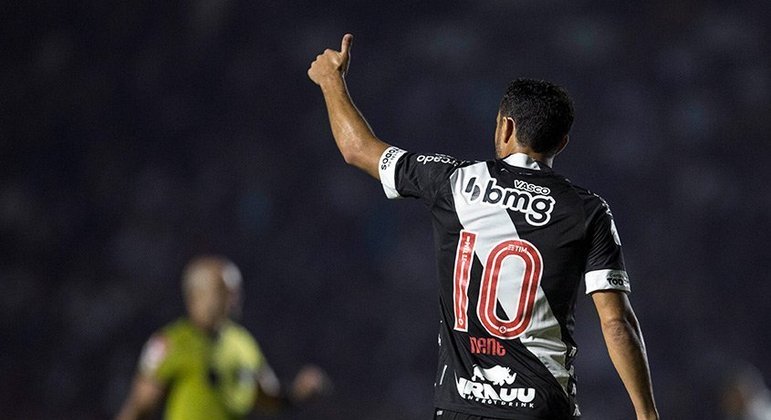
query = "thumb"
x=345 y=47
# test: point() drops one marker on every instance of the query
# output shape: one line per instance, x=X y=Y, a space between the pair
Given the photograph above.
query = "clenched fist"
x=310 y=382
x=331 y=64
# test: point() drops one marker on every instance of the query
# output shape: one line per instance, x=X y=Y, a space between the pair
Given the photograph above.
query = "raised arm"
x=354 y=137
x=626 y=347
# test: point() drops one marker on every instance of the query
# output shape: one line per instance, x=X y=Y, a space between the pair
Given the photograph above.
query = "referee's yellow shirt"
x=206 y=377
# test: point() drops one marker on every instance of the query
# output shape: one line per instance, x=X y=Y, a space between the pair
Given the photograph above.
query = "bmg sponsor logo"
x=537 y=207
x=491 y=386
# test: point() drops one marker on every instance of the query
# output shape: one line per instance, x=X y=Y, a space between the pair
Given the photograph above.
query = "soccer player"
x=513 y=242
x=206 y=365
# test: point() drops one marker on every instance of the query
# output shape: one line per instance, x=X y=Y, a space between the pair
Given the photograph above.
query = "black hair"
x=542 y=112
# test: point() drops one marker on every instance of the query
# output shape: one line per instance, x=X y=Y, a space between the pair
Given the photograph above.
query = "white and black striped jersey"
x=513 y=242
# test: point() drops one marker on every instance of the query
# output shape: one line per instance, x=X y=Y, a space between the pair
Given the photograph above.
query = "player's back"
x=513 y=242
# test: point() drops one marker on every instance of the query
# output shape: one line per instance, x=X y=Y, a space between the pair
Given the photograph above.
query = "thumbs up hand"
x=331 y=64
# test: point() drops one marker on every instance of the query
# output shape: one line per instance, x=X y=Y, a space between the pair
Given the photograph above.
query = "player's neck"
x=547 y=159
x=505 y=146
x=209 y=329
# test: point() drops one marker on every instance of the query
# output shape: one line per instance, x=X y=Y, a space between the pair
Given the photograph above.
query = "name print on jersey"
x=531 y=200
x=487 y=345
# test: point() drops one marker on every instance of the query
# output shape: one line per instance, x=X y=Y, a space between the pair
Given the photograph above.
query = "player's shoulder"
x=594 y=204
x=176 y=334
x=589 y=197
x=395 y=155
x=238 y=334
x=437 y=160
x=176 y=328
x=233 y=328
x=163 y=345
x=241 y=341
x=428 y=169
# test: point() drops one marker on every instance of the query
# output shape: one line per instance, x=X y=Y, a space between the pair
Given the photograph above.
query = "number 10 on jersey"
x=527 y=285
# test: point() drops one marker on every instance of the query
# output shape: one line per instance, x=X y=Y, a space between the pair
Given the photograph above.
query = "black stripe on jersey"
x=560 y=294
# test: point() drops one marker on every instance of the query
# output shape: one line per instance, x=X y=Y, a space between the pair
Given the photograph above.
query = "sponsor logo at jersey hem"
x=489 y=386
x=437 y=158
x=537 y=208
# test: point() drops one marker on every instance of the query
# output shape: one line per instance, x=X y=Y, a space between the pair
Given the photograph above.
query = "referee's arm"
x=626 y=347
x=354 y=137
x=143 y=400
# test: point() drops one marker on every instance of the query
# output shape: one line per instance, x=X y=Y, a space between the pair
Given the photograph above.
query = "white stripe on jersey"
x=492 y=224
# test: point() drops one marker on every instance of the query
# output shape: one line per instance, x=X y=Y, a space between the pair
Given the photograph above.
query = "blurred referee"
x=205 y=365
x=514 y=241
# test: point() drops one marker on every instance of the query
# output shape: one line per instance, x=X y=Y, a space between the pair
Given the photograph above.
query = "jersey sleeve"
x=405 y=174
x=605 y=268
x=156 y=360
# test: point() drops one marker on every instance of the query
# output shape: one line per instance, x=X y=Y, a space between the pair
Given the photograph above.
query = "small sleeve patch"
x=607 y=280
x=387 y=170
x=153 y=354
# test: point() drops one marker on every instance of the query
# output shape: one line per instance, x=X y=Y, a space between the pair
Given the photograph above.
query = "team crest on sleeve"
x=153 y=353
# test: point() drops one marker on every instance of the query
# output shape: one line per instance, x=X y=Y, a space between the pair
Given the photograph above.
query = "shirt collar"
x=522 y=160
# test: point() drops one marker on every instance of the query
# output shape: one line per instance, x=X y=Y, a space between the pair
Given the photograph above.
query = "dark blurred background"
x=135 y=135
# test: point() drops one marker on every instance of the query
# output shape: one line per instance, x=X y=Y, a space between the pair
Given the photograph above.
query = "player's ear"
x=508 y=129
x=564 y=142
